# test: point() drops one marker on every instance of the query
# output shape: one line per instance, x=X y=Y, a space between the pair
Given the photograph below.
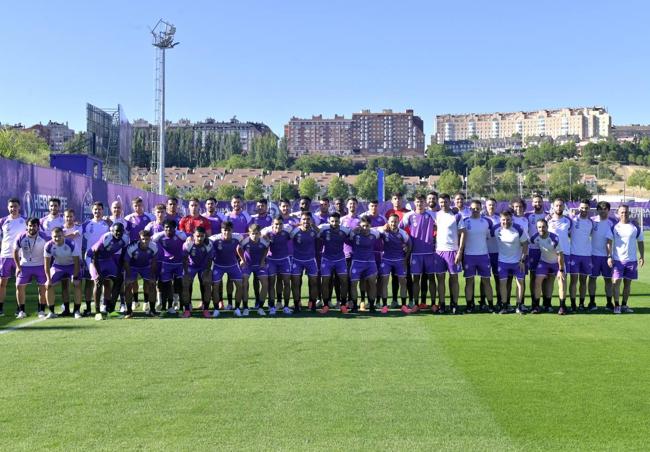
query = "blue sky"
x=268 y=61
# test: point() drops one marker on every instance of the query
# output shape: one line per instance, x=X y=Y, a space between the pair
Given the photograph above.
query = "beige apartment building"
x=584 y=122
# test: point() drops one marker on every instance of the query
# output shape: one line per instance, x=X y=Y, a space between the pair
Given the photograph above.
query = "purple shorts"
x=85 y=271
x=534 y=255
x=477 y=265
x=546 y=268
x=233 y=272
x=599 y=267
x=579 y=265
x=7 y=267
x=378 y=258
x=505 y=270
x=59 y=272
x=278 y=266
x=144 y=272
x=256 y=270
x=309 y=266
x=27 y=273
x=362 y=269
x=625 y=270
x=422 y=263
x=443 y=262
x=327 y=266
x=106 y=268
x=494 y=263
x=395 y=267
x=170 y=271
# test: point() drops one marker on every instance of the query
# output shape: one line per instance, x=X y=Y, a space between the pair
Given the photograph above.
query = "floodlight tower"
x=163 y=39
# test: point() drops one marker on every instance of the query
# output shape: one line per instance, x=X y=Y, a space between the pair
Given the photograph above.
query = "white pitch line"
x=22 y=325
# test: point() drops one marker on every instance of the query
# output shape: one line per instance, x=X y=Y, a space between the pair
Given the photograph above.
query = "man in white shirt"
x=624 y=262
x=11 y=227
x=53 y=219
x=580 y=263
x=549 y=265
x=601 y=250
x=476 y=259
x=513 y=253
x=561 y=226
x=447 y=259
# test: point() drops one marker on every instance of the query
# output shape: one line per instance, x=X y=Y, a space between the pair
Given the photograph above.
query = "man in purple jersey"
x=170 y=242
x=197 y=259
x=549 y=264
x=323 y=213
x=172 y=210
x=376 y=221
x=332 y=237
x=447 y=259
x=532 y=217
x=117 y=217
x=141 y=259
x=138 y=220
x=227 y=258
x=105 y=269
x=339 y=207
x=350 y=221
x=601 y=250
x=624 y=262
x=240 y=220
x=279 y=264
x=53 y=219
x=363 y=268
x=255 y=249
x=304 y=238
x=62 y=263
x=212 y=215
x=154 y=227
x=304 y=205
x=29 y=251
x=263 y=219
x=92 y=230
x=396 y=248
x=476 y=258
x=11 y=227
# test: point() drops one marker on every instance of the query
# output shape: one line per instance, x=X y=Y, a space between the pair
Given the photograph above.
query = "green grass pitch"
x=420 y=382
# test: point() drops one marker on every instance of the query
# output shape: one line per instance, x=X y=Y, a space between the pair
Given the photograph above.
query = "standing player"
x=53 y=219
x=91 y=231
x=74 y=233
x=194 y=219
x=171 y=212
x=601 y=251
x=226 y=261
x=29 y=251
x=304 y=239
x=627 y=236
x=350 y=221
x=580 y=263
x=332 y=237
x=513 y=254
x=363 y=268
x=212 y=215
x=279 y=264
x=117 y=217
x=262 y=218
x=137 y=221
x=476 y=258
x=450 y=231
x=170 y=242
x=376 y=221
x=62 y=262
x=254 y=250
x=396 y=249
x=197 y=258
x=240 y=220
x=323 y=213
x=11 y=227
x=493 y=247
x=561 y=226
x=141 y=259
x=339 y=207
x=459 y=205
x=533 y=251
x=549 y=264
x=398 y=209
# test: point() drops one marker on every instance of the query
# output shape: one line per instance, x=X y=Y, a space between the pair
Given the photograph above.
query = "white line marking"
x=22 y=325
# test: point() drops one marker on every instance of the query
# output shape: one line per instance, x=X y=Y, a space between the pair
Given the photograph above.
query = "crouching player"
x=226 y=259
x=105 y=270
x=550 y=263
x=29 y=250
x=254 y=250
x=62 y=263
x=170 y=241
x=197 y=253
x=397 y=246
x=141 y=260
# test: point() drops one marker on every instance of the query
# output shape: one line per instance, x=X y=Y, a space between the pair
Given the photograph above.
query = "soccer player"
x=138 y=220
x=141 y=259
x=116 y=217
x=11 y=227
x=304 y=238
x=350 y=221
x=627 y=236
x=601 y=250
x=332 y=237
x=376 y=221
x=53 y=219
x=518 y=208
x=73 y=232
x=447 y=259
x=323 y=213
x=255 y=249
x=580 y=262
x=194 y=219
x=561 y=226
x=91 y=231
x=262 y=218
x=304 y=205
x=171 y=212
x=363 y=268
x=170 y=242
x=158 y=224
x=105 y=270
x=396 y=249
x=339 y=207
x=240 y=220
x=398 y=209
x=279 y=264
x=420 y=225
x=198 y=252
x=459 y=205
x=29 y=250
x=285 y=213
x=212 y=215
x=476 y=258
x=226 y=261
x=62 y=262
x=432 y=201
x=513 y=252
x=532 y=217
x=549 y=264
x=493 y=247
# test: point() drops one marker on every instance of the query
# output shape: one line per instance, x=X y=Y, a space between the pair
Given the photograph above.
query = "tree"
x=478 y=181
x=308 y=187
x=393 y=183
x=509 y=184
x=366 y=185
x=24 y=146
x=226 y=191
x=563 y=176
x=449 y=182
x=77 y=145
x=171 y=191
x=254 y=189
x=337 y=188
x=282 y=155
x=284 y=190
x=532 y=181
x=639 y=178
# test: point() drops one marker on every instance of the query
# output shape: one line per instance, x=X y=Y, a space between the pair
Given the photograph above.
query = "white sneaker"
x=50 y=315
x=319 y=304
x=237 y=312
x=77 y=315
x=229 y=307
x=617 y=309
x=272 y=311
x=41 y=314
x=21 y=315
x=135 y=306
x=177 y=305
x=246 y=312
x=287 y=310
x=102 y=308
x=261 y=312
x=171 y=311
x=99 y=316
x=215 y=313
x=159 y=305
x=146 y=307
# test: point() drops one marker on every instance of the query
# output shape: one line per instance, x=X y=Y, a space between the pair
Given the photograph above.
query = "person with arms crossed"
x=363 y=268
x=398 y=208
x=91 y=231
x=531 y=218
x=624 y=262
x=138 y=220
x=304 y=238
x=561 y=226
x=170 y=244
x=53 y=219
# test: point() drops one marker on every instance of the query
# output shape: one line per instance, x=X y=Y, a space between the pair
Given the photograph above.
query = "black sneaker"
x=87 y=313
x=549 y=309
x=592 y=307
x=469 y=310
x=581 y=307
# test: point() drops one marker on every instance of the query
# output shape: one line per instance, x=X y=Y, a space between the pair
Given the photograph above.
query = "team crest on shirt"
x=469 y=226
x=193 y=252
x=357 y=240
x=299 y=239
x=220 y=246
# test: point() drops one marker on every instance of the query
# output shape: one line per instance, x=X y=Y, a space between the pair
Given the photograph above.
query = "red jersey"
x=399 y=212
x=188 y=224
